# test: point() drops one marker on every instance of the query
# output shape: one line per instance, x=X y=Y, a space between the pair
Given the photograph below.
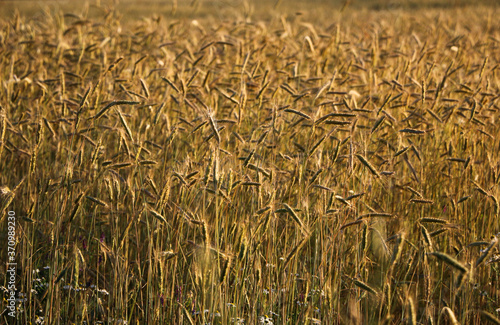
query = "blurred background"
x=255 y=9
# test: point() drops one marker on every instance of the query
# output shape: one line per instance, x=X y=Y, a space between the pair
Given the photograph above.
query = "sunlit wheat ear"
x=3 y=126
x=448 y=313
x=486 y=251
x=226 y=269
x=364 y=240
x=367 y=164
x=76 y=206
x=412 y=312
x=213 y=126
x=295 y=217
x=427 y=237
x=125 y=125
x=450 y=261
x=168 y=147
x=433 y=220
x=6 y=198
x=204 y=233
x=366 y=287
x=295 y=250
x=158 y=216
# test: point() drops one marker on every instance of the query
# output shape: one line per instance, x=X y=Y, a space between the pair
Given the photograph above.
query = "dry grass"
x=337 y=170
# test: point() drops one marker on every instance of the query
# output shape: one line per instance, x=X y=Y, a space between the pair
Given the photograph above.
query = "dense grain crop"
x=342 y=169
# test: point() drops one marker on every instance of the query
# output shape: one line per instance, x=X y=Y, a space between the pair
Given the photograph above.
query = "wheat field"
x=231 y=163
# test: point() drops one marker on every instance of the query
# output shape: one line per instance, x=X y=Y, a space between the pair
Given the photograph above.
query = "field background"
x=260 y=9
x=272 y=162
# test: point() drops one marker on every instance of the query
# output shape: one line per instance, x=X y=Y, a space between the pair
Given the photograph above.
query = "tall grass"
x=283 y=171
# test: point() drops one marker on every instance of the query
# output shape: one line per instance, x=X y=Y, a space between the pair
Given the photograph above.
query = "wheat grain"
x=301 y=114
x=451 y=315
x=450 y=261
x=113 y=103
x=486 y=252
x=412 y=312
x=365 y=287
x=427 y=237
x=367 y=164
x=412 y=131
x=158 y=216
x=433 y=220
